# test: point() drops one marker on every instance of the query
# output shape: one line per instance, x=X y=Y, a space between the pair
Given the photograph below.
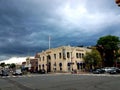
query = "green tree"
x=12 y=66
x=108 y=47
x=93 y=59
x=2 y=64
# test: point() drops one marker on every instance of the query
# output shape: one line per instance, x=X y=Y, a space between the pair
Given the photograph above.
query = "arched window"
x=43 y=58
x=39 y=66
x=49 y=57
x=60 y=64
x=43 y=66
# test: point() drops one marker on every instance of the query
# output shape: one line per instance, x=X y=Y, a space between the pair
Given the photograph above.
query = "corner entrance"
x=48 y=63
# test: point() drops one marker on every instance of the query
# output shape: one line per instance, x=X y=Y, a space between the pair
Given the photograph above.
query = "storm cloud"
x=25 y=25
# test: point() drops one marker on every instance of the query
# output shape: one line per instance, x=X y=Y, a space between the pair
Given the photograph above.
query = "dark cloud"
x=25 y=25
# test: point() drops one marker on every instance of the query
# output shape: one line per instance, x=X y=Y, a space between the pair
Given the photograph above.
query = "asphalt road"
x=61 y=82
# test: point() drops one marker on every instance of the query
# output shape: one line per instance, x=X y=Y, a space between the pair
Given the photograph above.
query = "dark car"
x=98 y=71
x=114 y=70
x=42 y=71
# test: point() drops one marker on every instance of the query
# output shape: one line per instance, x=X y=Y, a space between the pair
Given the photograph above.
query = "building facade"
x=65 y=59
x=32 y=64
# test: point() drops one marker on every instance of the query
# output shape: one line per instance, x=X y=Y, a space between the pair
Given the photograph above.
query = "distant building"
x=32 y=64
x=65 y=58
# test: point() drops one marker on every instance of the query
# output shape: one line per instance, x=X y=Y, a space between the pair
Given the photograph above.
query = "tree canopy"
x=93 y=59
x=108 y=47
x=12 y=65
x=2 y=64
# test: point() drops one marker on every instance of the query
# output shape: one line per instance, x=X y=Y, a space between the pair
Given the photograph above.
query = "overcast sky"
x=25 y=25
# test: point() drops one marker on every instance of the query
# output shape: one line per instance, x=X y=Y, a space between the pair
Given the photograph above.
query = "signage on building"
x=72 y=63
x=48 y=52
x=79 y=50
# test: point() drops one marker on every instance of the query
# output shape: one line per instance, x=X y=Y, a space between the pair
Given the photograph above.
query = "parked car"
x=4 y=73
x=42 y=71
x=111 y=70
x=98 y=71
x=114 y=70
x=17 y=72
x=107 y=69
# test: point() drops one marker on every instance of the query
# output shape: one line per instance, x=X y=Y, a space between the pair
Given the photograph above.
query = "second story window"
x=60 y=55
x=82 y=55
x=77 y=55
x=55 y=56
x=64 y=53
x=40 y=59
x=68 y=55
x=43 y=58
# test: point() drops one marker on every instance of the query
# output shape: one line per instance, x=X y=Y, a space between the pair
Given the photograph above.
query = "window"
x=64 y=53
x=68 y=66
x=68 y=55
x=82 y=55
x=43 y=66
x=49 y=57
x=43 y=58
x=40 y=59
x=54 y=64
x=60 y=65
x=55 y=56
x=39 y=66
x=60 y=55
x=77 y=55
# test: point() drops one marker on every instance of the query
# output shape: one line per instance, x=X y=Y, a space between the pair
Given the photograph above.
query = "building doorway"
x=48 y=63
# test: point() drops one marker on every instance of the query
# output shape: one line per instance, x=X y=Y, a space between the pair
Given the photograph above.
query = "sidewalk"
x=80 y=72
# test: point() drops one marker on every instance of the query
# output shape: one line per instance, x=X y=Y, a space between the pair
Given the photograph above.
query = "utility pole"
x=49 y=41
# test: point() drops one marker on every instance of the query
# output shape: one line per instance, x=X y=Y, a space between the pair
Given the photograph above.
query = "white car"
x=17 y=72
x=107 y=69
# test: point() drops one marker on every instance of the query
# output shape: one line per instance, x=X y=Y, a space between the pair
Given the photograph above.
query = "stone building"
x=32 y=64
x=64 y=59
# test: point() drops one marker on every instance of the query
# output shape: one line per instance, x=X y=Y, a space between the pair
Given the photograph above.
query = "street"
x=61 y=82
